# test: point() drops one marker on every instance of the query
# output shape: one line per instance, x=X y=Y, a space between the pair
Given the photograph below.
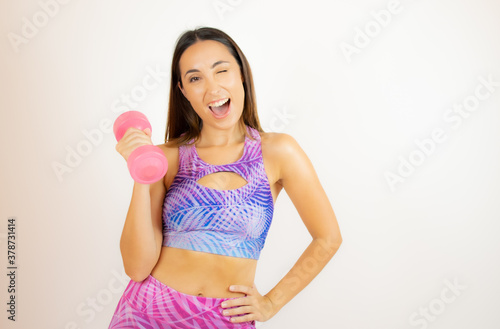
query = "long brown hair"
x=183 y=123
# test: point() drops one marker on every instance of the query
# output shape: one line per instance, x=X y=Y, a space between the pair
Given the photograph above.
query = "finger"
x=128 y=148
x=130 y=130
x=234 y=302
x=241 y=288
x=134 y=137
x=237 y=311
x=241 y=318
x=133 y=132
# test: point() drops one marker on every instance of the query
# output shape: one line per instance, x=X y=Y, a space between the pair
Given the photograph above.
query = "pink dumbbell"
x=147 y=163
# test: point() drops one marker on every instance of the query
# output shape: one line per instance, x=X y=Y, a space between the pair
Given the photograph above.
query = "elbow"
x=138 y=271
x=330 y=243
x=338 y=240
x=335 y=239
x=137 y=267
x=137 y=276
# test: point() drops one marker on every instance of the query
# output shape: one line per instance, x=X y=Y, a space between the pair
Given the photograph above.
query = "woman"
x=191 y=241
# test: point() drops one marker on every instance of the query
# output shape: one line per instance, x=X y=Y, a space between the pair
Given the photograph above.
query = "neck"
x=212 y=136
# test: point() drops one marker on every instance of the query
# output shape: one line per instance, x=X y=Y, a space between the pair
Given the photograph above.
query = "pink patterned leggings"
x=151 y=304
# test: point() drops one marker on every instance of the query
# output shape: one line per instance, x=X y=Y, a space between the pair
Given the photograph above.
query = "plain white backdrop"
x=396 y=103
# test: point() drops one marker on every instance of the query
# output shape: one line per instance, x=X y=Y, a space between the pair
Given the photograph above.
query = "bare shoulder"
x=278 y=149
x=279 y=145
x=171 y=151
x=170 y=147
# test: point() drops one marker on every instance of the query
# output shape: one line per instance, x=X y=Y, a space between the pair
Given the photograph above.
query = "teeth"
x=219 y=103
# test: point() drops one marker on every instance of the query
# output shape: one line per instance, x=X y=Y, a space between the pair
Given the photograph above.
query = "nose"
x=212 y=86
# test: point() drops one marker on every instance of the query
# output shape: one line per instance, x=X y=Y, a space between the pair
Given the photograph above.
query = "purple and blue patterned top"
x=224 y=222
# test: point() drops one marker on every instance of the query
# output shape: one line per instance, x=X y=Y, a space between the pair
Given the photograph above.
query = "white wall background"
x=357 y=117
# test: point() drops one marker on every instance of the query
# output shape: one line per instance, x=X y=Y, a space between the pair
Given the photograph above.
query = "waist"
x=203 y=274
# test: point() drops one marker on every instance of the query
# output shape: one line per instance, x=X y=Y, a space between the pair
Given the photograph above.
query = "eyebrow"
x=213 y=65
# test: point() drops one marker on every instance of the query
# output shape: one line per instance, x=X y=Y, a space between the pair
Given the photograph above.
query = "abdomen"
x=200 y=273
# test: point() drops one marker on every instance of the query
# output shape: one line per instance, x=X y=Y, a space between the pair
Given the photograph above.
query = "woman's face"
x=212 y=83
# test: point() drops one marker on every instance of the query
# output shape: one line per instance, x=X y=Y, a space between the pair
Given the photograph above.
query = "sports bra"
x=225 y=222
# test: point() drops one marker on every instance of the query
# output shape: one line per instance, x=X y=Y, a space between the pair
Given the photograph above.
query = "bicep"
x=301 y=183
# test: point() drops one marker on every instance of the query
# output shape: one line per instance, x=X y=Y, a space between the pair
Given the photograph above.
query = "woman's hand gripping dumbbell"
x=146 y=162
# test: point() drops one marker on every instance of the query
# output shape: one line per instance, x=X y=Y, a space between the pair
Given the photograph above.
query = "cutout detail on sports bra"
x=223 y=180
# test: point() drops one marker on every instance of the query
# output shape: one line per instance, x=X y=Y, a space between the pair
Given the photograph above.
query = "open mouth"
x=220 y=109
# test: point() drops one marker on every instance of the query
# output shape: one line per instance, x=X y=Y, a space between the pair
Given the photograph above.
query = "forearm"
x=311 y=262
x=137 y=242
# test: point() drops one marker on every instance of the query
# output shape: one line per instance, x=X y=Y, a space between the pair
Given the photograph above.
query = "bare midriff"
x=203 y=274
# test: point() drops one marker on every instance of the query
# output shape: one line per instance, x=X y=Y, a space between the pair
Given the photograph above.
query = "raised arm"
x=142 y=236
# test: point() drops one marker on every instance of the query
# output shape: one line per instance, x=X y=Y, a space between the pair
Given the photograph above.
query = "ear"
x=182 y=90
